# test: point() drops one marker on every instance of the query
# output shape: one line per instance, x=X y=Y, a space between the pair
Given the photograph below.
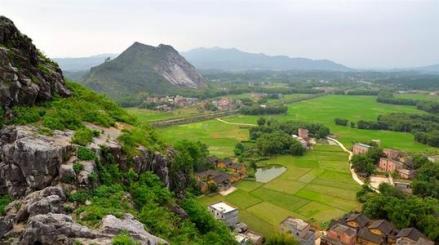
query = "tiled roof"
x=383 y=225
x=411 y=233
x=365 y=234
x=361 y=219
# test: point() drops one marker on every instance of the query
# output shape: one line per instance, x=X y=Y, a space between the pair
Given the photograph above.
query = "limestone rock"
x=54 y=228
x=26 y=76
x=31 y=161
x=88 y=167
x=113 y=226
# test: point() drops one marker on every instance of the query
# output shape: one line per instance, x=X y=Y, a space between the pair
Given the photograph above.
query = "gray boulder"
x=31 y=161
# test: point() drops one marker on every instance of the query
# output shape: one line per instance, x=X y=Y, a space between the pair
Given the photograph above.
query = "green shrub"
x=85 y=154
x=4 y=201
x=26 y=115
x=79 y=196
x=83 y=136
x=124 y=238
x=141 y=135
x=77 y=167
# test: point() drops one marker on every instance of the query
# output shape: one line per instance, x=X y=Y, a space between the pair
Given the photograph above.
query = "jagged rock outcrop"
x=26 y=76
x=142 y=68
x=31 y=161
x=153 y=161
x=47 y=223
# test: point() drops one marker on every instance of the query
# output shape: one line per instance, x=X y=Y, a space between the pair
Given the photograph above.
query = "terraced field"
x=315 y=187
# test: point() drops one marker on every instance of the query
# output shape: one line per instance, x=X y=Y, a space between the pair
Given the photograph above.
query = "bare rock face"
x=113 y=226
x=31 y=161
x=55 y=228
x=26 y=76
x=151 y=161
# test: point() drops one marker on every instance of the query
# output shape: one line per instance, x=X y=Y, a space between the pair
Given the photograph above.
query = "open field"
x=315 y=187
x=222 y=138
x=419 y=96
x=151 y=115
x=325 y=109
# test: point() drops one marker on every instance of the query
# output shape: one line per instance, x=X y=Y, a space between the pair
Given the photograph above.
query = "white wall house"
x=224 y=212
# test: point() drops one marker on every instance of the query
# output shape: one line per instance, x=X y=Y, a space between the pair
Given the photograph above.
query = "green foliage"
x=426 y=182
x=281 y=239
x=341 y=122
x=77 y=167
x=124 y=238
x=264 y=110
x=69 y=113
x=4 y=201
x=79 y=196
x=197 y=153
x=404 y=211
x=142 y=135
x=83 y=136
x=26 y=114
x=363 y=164
x=86 y=154
x=105 y=200
x=261 y=121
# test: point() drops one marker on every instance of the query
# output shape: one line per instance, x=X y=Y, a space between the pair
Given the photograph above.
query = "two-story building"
x=360 y=148
x=224 y=212
x=299 y=229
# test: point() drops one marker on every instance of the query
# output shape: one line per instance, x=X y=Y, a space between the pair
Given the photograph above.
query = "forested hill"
x=237 y=60
x=144 y=69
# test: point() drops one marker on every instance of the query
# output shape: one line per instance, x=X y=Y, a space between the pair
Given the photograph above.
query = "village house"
x=340 y=234
x=224 y=212
x=299 y=229
x=411 y=236
x=356 y=228
x=360 y=148
x=213 y=177
x=403 y=186
x=237 y=171
x=356 y=220
x=303 y=133
x=396 y=161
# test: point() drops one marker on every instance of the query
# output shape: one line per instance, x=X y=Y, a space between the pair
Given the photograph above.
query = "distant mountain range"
x=82 y=63
x=431 y=69
x=237 y=60
x=144 y=69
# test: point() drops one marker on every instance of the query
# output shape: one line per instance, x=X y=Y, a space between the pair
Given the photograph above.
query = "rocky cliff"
x=144 y=69
x=26 y=75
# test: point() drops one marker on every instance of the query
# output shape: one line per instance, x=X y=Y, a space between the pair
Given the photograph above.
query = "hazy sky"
x=381 y=33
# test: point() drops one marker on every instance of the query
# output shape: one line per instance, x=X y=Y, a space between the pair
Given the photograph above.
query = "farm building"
x=360 y=148
x=299 y=229
x=224 y=212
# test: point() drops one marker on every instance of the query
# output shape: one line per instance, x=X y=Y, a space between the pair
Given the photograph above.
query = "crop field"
x=151 y=115
x=222 y=138
x=316 y=187
x=325 y=109
x=419 y=96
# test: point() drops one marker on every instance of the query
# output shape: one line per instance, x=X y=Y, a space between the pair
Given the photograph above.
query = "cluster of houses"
x=226 y=104
x=225 y=173
x=230 y=216
x=167 y=103
x=300 y=230
x=356 y=228
x=392 y=161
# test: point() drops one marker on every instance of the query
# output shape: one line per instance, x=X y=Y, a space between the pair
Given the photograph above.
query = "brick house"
x=208 y=177
x=341 y=233
x=303 y=133
x=406 y=173
x=360 y=148
x=389 y=165
x=385 y=229
x=357 y=220
x=392 y=154
x=411 y=236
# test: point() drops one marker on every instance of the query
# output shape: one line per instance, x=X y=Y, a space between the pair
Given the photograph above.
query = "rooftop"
x=344 y=229
x=362 y=145
x=222 y=207
x=298 y=223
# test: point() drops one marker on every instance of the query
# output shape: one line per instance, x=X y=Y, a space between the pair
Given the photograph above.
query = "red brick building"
x=360 y=148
